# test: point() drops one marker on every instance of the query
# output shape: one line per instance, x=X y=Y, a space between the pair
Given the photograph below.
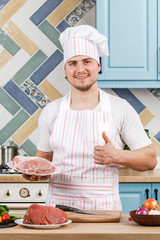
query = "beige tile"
x=20 y=38
x=10 y=9
x=156 y=144
x=4 y=58
x=49 y=90
x=146 y=116
x=62 y=11
x=24 y=132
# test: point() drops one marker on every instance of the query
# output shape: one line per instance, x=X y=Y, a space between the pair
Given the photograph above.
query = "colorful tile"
x=28 y=127
x=47 y=88
x=37 y=59
x=4 y=58
x=155 y=92
x=62 y=26
x=51 y=33
x=11 y=127
x=146 y=116
x=156 y=146
x=80 y=11
x=34 y=137
x=27 y=10
x=21 y=97
x=7 y=43
x=3 y=3
x=8 y=103
x=37 y=36
x=62 y=11
x=126 y=94
x=57 y=74
x=10 y=9
x=148 y=99
x=10 y=69
x=44 y=11
x=16 y=33
x=29 y=148
x=157 y=136
x=35 y=94
x=5 y=117
x=47 y=67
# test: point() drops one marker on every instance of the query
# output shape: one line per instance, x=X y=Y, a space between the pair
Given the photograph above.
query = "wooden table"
x=124 y=230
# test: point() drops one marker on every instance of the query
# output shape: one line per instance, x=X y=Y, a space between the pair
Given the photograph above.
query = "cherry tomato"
x=150 y=204
x=0 y=219
x=5 y=218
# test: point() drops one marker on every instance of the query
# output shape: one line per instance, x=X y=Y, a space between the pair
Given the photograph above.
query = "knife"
x=77 y=210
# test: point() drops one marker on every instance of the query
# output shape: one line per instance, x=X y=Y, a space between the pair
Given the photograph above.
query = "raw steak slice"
x=35 y=165
x=44 y=215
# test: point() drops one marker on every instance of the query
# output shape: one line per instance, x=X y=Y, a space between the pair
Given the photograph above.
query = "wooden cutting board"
x=114 y=216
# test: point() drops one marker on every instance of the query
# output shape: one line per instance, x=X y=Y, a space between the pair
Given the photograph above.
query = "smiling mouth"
x=82 y=77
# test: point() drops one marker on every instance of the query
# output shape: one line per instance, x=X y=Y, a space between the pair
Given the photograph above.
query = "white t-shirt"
x=128 y=126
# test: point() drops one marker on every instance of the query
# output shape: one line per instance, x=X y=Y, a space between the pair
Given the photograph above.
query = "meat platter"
x=32 y=166
x=20 y=222
x=38 y=216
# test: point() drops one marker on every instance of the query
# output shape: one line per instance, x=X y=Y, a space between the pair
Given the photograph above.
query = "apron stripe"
x=73 y=144
x=83 y=185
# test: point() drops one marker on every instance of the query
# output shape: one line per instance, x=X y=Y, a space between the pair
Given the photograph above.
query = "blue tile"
x=47 y=67
x=62 y=26
x=12 y=126
x=157 y=136
x=8 y=103
x=44 y=11
x=3 y=3
x=126 y=94
x=29 y=147
x=21 y=97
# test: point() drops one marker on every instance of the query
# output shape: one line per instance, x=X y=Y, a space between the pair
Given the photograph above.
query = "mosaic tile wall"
x=31 y=68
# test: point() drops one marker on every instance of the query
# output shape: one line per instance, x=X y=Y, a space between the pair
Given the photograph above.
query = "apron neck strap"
x=104 y=102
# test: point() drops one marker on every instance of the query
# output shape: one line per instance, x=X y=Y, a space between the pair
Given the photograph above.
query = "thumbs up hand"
x=107 y=153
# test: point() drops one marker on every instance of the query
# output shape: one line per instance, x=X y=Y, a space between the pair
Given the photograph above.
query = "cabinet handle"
x=100 y=61
x=147 y=193
x=156 y=193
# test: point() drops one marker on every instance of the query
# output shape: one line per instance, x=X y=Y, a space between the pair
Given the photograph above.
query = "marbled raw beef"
x=35 y=165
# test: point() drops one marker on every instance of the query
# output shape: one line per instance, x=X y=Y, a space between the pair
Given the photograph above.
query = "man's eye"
x=72 y=64
x=87 y=61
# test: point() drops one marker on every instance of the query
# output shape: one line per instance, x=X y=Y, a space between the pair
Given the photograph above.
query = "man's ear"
x=99 y=67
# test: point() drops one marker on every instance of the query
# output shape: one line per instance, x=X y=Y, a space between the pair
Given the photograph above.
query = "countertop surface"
x=123 y=230
x=125 y=175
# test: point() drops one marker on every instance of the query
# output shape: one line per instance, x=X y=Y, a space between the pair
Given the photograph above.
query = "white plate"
x=20 y=222
x=11 y=165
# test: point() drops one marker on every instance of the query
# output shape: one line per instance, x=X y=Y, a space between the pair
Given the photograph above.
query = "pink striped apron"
x=82 y=183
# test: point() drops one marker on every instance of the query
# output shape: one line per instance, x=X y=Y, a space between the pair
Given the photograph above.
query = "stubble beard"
x=82 y=88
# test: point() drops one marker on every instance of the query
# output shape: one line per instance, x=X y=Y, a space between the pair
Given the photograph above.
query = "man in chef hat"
x=84 y=132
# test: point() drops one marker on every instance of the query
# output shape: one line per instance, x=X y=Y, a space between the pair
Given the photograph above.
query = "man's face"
x=82 y=72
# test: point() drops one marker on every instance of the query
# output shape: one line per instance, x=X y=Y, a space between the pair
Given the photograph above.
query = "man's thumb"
x=106 y=139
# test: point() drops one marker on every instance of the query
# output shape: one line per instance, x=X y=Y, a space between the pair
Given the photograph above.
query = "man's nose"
x=80 y=67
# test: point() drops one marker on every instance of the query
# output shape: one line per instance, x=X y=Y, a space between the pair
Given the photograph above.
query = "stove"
x=6 y=170
x=20 y=195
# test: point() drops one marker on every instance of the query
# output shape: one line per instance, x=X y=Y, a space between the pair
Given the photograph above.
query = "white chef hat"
x=83 y=40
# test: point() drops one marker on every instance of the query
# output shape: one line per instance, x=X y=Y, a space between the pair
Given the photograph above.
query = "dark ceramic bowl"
x=146 y=220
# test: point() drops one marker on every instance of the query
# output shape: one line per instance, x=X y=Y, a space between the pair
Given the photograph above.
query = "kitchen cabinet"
x=134 y=194
x=131 y=27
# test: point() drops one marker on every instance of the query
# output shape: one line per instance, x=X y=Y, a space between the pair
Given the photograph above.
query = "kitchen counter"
x=125 y=175
x=123 y=230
